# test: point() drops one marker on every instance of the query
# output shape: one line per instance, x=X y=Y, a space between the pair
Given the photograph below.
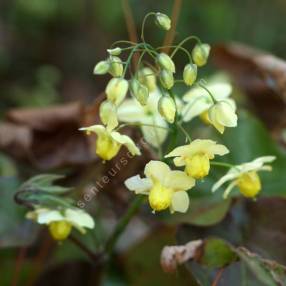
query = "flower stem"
x=221 y=164
x=120 y=227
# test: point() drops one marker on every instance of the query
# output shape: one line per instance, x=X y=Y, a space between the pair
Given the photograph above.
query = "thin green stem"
x=183 y=42
x=123 y=42
x=120 y=227
x=207 y=90
x=221 y=164
x=141 y=124
x=128 y=61
x=143 y=25
x=184 y=131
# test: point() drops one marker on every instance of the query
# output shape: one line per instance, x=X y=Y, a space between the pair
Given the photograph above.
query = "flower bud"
x=116 y=90
x=147 y=77
x=167 y=108
x=190 y=74
x=166 y=79
x=163 y=21
x=139 y=91
x=101 y=68
x=116 y=66
x=165 y=62
x=108 y=116
x=200 y=54
x=60 y=230
x=114 y=52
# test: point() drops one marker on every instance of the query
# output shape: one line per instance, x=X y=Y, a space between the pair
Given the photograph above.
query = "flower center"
x=198 y=166
x=60 y=230
x=106 y=147
x=249 y=184
x=160 y=197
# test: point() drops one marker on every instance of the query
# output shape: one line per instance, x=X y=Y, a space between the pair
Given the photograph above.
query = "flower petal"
x=79 y=219
x=98 y=129
x=180 y=202
x=47 y=216
x=157 y=170
x=130 y=111
x=126 y=141
x=179 y=181
x=139 y=185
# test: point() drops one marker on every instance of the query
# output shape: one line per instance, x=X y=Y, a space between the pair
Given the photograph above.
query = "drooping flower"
x=131 y=111
x=200 y=54
x=61 y=222
x=116 y=66
x=147 y=77
x=116 y=90
x=167 y=108
x=245 y=177
x=199 y=101
x=139 y=91
x=196 y=156
x=166 y=63
x=166 y=78
x=108 y=114
x=101 y=67
x=165 y=188
x=190 y=74
x=222 y=114
x=163 y=21
x=109 y=142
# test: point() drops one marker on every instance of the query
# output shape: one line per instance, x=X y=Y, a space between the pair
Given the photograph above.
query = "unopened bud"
x=101 y=68
x=114 y=52
x=139 y=91
x=163 y=21
x=165 y=62
x=200 y=54
x=116 y=66
x=166 y=79
x=147 y=77
x=167 y=108
x=107 y=113
x=116 y=90
x=190 y=74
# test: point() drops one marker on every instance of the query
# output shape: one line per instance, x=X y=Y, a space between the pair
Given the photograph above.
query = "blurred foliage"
x=47 y=52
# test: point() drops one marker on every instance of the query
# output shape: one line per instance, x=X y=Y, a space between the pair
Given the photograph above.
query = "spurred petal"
x=139 y=185
x=126 y=141
x=180 y=202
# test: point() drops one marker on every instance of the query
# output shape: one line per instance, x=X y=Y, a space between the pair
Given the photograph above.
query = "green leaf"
x=217 y=253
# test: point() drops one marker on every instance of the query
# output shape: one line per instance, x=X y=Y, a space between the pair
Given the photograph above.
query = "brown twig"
x=131 y=27
x=39 y=260
x=19 y=263
x=174 y=18
x=218 y=276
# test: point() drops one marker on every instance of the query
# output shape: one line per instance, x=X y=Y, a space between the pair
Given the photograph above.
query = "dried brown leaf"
x=172 y=256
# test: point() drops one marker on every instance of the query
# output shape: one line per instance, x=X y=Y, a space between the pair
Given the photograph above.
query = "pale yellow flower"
x=165 y=188
x=245 y=177
x=109 y=142
x=196 y=156
x=60 y=222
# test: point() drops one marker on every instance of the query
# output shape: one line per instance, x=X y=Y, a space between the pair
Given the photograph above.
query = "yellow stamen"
x=198 y=166
x=249 y=184
x=106 y=147
x=160 y=197
x=60 y=230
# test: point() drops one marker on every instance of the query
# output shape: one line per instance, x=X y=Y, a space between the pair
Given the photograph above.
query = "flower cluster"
x=157 y=110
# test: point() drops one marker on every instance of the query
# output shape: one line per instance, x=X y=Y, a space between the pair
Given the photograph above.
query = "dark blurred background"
x=48 y=49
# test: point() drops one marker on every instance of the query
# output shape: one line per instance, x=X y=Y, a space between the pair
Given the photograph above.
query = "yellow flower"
x=116 y=66
x=167 y=108
x=165 y=188
x=108 y=116
x=200 y=54
x=196 y=156
x=61 y=222
x=166 y=63
x=245 y=177
x=116 y=90
x=190 y=74
x=222 y=114
x=109 y=142
x=147 y=77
